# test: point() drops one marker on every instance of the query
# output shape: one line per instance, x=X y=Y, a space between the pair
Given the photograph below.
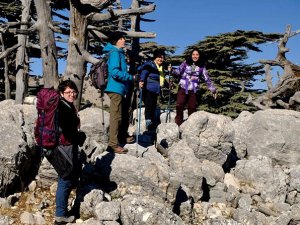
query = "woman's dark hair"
x=200 y=61
x=114 y=37
x=67 y=83
x=158 y=52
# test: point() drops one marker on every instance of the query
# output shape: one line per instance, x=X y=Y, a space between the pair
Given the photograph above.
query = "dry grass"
x=32 y=202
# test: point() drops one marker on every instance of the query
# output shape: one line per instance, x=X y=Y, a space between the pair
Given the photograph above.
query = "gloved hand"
x=81 y=138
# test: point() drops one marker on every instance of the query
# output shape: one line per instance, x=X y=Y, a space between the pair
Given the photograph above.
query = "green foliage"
x=225 y=56
x=148 y=47
x=10 y=10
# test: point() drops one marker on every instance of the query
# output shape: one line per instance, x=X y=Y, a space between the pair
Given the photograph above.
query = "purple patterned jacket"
x=190 y=80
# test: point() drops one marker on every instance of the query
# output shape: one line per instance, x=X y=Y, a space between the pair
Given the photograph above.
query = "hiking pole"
x=215 y=100
x=168 y=116
x=139 y=121
x=132 y=106
x=140 y=110
x=102 y=109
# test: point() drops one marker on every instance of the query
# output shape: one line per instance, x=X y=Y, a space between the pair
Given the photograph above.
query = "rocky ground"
x=215 y=171
x=33 y=202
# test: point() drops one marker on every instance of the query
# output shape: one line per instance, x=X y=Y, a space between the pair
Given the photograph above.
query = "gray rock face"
x=147 y=210
x=271 y=133
x=93 y=125
x=46 y=175
x=259 y=174
x=4 y=220
x=92 y=95
x=212 y=172
x=167 y=134
x=243 y=216
x=108 y=211
x=295 y=178
x=209 y=135
x=134 y=175
x=263 y=188
x=185 y=170
x=29 y=218
x=16 y=138
x=90 y=201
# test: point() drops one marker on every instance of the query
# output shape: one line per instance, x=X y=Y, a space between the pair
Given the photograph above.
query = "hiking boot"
x=148 y=125
x=130 y=139
x=117 y=150
x=59 y=220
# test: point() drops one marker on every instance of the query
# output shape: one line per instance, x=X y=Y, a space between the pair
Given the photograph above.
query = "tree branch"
x=118 y=13
x=283 y=104
x=256 y=102
x=283 y=87
x=84 y=53
x=99 y=4
x=268 y=76
x=8 y=51
x=101 y=35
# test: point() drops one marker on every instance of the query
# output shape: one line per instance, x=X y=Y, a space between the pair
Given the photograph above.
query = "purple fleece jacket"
x=190 y=80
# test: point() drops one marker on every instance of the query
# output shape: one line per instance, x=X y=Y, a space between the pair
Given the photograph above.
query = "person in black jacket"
x=66 y=155
x=151 y=73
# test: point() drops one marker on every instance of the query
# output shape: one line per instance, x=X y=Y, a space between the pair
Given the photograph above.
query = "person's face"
x=121 y=43
x=195 y=56
x=69 y=94
x=159 y=60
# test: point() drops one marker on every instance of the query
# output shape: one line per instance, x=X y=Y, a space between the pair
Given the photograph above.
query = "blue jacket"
x=150 y=76
x=118 y=78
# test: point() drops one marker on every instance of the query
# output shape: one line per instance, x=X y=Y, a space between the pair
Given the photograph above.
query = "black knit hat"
x=158 y=52
x=115 y=36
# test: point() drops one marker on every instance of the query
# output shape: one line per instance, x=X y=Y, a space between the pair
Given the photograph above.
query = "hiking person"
x=119 y=81
x=151 y=73
x=129 y=104
x=69 y=139
x=191 y=71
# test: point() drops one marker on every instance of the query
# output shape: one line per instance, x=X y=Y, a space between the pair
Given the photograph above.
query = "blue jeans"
x=64 y=187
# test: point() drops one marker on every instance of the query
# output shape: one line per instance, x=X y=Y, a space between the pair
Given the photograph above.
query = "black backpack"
x=99 y=74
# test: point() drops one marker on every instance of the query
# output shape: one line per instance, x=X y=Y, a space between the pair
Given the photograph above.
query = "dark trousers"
x=126 y=112
x=118 y=120
x=182 y=99
x=150 y=101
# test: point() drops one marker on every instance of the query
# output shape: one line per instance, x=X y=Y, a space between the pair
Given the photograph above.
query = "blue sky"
x=183 y=23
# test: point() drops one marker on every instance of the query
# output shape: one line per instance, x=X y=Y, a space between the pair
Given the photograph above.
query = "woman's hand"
x=215 y=95
x=141 y=84
x=170 y=68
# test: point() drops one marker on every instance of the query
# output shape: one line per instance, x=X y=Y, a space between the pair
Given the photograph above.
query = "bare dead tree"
x=135 y=43
x=6 y=79
x=21 y=74
x=80 y=18
x=86 y=17
x=281 y=94
x=45 y=28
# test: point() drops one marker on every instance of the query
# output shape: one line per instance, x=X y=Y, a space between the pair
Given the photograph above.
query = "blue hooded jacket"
x=150 y=75
x=118 y=78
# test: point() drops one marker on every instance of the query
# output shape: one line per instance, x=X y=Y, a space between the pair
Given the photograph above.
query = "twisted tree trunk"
x=288 y=83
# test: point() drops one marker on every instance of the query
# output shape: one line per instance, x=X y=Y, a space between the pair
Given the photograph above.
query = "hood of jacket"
x=149 y=65
x=109 y=47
